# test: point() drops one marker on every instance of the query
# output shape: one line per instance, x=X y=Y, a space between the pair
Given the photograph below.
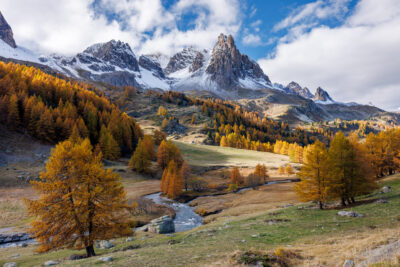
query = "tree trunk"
x=353 y=200
x=90 y=251
x=343 y=202
x=321 y=207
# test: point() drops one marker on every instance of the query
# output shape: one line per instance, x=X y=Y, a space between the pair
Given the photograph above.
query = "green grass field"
x=301 y=226
x=204 y=155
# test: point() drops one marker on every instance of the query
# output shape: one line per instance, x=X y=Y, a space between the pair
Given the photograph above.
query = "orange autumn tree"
x=172 y=181
x=261 y=171
x=80 y=201
x=314 y=185
x=168 y=151
x=236 y=177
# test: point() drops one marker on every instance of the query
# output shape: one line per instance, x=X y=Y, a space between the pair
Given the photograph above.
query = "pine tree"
x=13 y=113
x=289 y=169
x=109 y=147
x=163 y=155
x=175 y=182
x=140 y=160
x=186 y=173
x=193 y=121
x=261 y=171
x=281 y=170
x=149 y=147
x=164 y=123
x=236 y=177
x=73 y=187
x=314 y=185
x=223 y=143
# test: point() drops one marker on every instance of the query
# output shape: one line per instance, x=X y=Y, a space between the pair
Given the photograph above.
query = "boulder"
x=129 y=239
x=104 y=244
x=162 y=225
x=381 y=201
x=10 y=264
x=51 y=263
x=348 y=263
x=106 y=259
x=345 y=213
x=386 y=189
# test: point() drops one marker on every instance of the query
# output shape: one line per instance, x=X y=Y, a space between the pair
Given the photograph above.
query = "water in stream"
x=185 y=218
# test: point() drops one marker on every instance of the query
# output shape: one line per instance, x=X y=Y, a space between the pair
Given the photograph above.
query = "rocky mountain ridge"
x=220 y=72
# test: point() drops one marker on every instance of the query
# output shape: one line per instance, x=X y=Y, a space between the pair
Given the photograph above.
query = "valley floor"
x=320 y=238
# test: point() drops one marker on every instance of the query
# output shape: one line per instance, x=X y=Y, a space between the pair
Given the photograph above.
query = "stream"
x=185 y=217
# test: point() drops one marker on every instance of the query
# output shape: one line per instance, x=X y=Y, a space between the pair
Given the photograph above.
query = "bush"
x=253 y=180
x=197 y=184
x=232 y=188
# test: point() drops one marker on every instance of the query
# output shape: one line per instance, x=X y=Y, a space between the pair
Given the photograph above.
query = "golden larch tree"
x=80 y=202
x=236 y=177
x=314 y=183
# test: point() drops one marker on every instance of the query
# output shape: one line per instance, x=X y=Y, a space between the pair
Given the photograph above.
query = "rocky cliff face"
x=6 y=33
x=322 y=95
x=228 y=65
x=149 y=64
x=181 y=60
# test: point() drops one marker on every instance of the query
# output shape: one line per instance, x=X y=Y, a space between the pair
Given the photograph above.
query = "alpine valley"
x=218 y=72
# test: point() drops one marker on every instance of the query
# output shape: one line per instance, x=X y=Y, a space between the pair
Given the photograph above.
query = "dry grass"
x=12 y=208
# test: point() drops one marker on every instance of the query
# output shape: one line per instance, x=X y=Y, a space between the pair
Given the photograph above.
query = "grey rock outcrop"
x=10 y=264
x=162 y=225
x=6 y=33
x=386 y=189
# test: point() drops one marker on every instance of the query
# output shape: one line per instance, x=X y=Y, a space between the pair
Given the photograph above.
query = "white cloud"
x=69 y=26
x=251 y=39
x=313 y=11
x=358 y=61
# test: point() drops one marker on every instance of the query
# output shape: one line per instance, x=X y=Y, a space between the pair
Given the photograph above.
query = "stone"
x=348 y=263
x=243 y=241
x=10 y=264
x=255 y=236
x=344 y=213
x=381 y=201
x=106 y=259
x=129 y=239
x=74 y=257
x=386 y=189
x=51 y=263
x=104 y=244
x=15 y=256
x=162 y=225
x=23 y=245
x=144 y=228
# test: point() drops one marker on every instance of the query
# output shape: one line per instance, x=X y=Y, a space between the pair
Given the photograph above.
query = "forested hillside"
x=49 y=108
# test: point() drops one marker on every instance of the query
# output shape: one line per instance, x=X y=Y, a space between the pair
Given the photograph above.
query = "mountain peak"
x=228 y=66
x=114 y=52
x=6 y=33
x=295 y=88
x=322 y=95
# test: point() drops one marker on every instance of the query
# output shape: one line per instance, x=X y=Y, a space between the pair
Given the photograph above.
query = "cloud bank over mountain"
x=358 y=60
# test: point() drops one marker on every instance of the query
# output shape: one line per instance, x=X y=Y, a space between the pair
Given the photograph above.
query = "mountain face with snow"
x=222 y=71
x=6 y=33
x=322 y=96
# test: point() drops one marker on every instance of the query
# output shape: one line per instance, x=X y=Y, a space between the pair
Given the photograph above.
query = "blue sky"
x=351 y=48
x=257 y=19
